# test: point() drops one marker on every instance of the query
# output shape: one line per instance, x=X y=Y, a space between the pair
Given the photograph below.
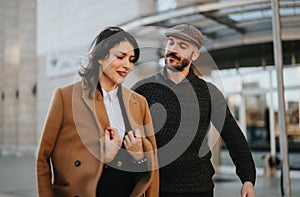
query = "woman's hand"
x=112 y=144
x=133 y=144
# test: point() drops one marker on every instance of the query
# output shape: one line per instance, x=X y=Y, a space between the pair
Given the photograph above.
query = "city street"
x=18 y=180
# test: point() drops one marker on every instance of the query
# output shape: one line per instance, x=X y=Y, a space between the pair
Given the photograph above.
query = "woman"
x=98 y=138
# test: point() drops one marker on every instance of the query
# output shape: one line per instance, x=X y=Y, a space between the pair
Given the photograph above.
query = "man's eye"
x=183 y=46
x=170 y=42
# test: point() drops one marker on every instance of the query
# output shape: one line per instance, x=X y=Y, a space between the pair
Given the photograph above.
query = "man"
x=182 y=107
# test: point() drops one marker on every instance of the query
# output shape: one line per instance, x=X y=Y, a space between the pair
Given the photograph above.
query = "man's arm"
x=233 y=137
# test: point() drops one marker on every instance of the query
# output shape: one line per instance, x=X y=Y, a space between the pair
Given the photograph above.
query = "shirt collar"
x=112 y=94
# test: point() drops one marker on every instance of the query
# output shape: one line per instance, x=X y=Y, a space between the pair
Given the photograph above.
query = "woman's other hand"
x=133 y=144
x=112 y=144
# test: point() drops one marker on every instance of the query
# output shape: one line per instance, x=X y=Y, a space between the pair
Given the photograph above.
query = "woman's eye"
x=120 y=57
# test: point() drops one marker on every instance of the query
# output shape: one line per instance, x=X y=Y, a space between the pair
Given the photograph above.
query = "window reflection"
x=164 y=5
x=292 y=114
x=251 y=94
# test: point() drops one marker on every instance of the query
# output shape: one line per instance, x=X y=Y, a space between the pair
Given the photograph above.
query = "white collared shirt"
x=114 y=111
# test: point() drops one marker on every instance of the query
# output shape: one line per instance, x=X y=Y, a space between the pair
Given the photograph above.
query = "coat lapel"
x=90 y=116
x=97 y=108
x=90 y=119
x=130 y=107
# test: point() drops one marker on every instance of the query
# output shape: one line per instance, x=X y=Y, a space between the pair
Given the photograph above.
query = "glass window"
x=252 y=96
x=291 y=76
x=292 y=99
x=234 y=103
x=163 y=5
x=260 y=77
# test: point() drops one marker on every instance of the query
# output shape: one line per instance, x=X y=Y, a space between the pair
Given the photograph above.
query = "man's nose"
x=173 y=48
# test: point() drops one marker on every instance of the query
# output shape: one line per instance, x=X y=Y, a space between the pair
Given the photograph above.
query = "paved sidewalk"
x=17 y=179
x=230 y=186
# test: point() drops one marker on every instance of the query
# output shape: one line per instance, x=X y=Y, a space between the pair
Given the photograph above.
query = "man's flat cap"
x=186 y=32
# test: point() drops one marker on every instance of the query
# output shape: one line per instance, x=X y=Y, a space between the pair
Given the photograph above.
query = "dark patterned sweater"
x=181 y=116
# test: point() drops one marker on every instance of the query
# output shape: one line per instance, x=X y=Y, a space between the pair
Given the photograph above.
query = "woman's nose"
x=128 y=64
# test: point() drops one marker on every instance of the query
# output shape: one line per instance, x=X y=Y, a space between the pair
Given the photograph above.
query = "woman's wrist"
x=141 y=161
x=138 y=155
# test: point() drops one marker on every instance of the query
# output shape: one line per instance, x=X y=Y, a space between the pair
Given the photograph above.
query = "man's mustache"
x=173 y=55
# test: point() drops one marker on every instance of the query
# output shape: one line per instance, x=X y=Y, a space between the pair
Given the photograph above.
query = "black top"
x=114 y=181
x=181 y=116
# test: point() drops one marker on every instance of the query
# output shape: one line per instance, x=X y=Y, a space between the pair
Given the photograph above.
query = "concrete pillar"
x=27 y=77
x=10 y=75
x=18 y=76
x=1 y=68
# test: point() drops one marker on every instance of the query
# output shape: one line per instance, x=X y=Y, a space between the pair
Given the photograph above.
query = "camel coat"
x=69 y=159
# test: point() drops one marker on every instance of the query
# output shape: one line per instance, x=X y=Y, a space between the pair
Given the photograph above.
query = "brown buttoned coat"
x=69 y=159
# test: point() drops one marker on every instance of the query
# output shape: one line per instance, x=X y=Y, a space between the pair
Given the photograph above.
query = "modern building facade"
x=42 y=44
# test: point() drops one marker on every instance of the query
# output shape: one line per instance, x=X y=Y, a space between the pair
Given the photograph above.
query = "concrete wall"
x=18 y=76
x=27 y=80
x=11 y=62
x=64 y=32
x=41 y=45
x=1 y=68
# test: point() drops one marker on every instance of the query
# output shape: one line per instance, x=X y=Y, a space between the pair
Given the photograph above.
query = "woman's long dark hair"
x=99 y=49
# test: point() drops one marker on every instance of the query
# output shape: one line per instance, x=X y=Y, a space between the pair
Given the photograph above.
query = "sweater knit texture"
x=181 y=115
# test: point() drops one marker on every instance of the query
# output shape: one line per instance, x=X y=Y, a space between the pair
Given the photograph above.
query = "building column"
x=17 y=77
x=1 y=68
x=27 y=78
x=11 y=61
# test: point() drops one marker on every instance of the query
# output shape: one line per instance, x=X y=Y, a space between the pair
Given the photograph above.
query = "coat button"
x=119 y=163
x=77 y=163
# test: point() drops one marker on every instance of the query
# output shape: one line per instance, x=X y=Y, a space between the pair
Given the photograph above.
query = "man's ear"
x=196 y=54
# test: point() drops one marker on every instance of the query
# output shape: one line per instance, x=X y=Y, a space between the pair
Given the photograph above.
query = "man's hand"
x=248 y=190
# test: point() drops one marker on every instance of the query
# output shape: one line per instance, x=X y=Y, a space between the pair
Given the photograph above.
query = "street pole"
x=281 y=108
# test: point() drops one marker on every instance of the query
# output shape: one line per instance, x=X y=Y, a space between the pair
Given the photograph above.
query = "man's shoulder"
x=147 y=80
x=132 y=94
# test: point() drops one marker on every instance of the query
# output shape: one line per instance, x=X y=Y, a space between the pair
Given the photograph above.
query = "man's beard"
x=183 y=62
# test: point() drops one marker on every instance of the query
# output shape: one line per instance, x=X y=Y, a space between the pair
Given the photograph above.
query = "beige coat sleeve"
x=47 y=144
